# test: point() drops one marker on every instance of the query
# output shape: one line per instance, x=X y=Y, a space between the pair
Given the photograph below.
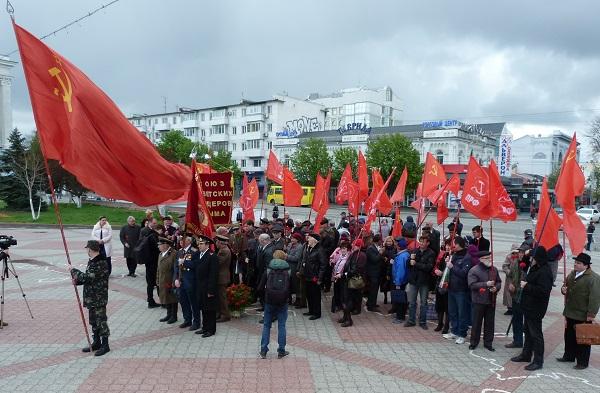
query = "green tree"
x=175 y=147
x=341 y=157
x=395 y=151
x=593 y=135
x=219 y=160
x=594 y=182
x=310 y=158
x=65 y=180
x=553 y=177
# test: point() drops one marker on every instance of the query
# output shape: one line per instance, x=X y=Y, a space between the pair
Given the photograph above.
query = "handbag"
x=356 y=282
x=399 y=296
x=587 y=333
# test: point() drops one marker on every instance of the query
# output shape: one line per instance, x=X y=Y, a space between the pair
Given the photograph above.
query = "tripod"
x=6 y=270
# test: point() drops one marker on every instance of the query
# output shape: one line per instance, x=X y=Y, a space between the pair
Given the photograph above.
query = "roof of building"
x=190 y=110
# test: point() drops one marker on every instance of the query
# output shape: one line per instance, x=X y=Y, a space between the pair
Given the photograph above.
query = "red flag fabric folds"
x=353 y=198
x=501 y=206
x=249 y=198
x=82 y=128
x=274 y=169
x=197 y=217
x=398 y=195
x=570 y=184
x=397 y=228
x=385 y=206
x=551 y=225
x=476 y=196
x=376 y=202
x=363 y=177
x=442 y=212
x=320 y=202
x=292 y=190
x=342 y=190
x=433 y=175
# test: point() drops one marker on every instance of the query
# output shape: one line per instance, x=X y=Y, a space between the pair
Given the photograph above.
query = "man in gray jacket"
x=484 y=283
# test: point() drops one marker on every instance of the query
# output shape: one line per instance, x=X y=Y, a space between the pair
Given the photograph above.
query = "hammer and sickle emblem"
x=433 y=170
x=571 y=155
x=66 y=89
x=478 y=189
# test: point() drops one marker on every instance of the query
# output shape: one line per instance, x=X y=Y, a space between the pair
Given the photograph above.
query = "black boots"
x=172 y=309
x=152 y=304
x=95 y=345
x=347 y=319
x=104 y=348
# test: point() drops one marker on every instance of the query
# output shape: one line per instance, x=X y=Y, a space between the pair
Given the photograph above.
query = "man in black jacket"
x=149 y=256
x=419 y=273
x=481 y=242
x=373 y=270
x=129 y=237
x=314 y=263
x=264 y=254
x=207 y=273
x=534 y=298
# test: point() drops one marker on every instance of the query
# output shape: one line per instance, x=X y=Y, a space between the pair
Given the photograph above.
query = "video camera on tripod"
x=8 y=268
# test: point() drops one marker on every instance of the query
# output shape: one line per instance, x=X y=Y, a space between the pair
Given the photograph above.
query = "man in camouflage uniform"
x=95 y=296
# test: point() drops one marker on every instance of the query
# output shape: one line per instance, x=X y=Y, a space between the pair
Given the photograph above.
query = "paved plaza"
x=44 y=354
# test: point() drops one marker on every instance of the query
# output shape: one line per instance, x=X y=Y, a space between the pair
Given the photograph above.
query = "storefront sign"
x=442 y=124
x=218 y=193
x=362 y=127
x=504 y=159
x=355 y=138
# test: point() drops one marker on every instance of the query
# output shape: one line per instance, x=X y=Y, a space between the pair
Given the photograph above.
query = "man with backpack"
x=276 y=284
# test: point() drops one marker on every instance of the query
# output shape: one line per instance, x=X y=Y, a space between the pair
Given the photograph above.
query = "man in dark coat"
x=419 y=274
x=95 y=296
x=278 y=239
x=535 y=288
x=313 y=268
x=207 y=273
x=148 y=255
x=264 y=254
x=224 y=257
x=129 y=236
x=373 y=270
x=528 y=238
x=481 y=242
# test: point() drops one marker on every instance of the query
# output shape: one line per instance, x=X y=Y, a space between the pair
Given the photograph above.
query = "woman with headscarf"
x=338 y=260
x=102 y=232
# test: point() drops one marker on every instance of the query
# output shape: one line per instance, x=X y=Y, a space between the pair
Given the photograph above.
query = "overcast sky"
x=533 y=64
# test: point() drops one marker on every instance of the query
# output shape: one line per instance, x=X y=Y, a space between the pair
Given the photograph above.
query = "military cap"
x=222 y=238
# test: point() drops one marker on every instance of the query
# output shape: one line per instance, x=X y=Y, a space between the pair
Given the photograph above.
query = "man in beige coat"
x=224 y=256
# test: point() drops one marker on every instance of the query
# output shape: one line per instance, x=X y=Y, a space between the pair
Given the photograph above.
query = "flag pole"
x=493 y=272
x=10 y=10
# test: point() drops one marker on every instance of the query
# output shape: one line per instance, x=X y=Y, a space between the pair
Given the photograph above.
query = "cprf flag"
x=476 y=195
x=342 y=190
x=274 y=169
x=433 y=175
x=548 y=223
x=82 y=128
x=249 y=198
x=501 y=206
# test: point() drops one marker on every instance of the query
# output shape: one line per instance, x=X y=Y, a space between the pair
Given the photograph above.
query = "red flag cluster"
x=280 y=174
x=321 y=198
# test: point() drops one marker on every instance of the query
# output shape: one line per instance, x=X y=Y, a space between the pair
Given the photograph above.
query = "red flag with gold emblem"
x=433 y=175
x=342 y=189
x=397 y=228
x=248 y=198
x=274 y=169
x=501 y=206
x=476 y=195
x=197 y=217
x=82 y=128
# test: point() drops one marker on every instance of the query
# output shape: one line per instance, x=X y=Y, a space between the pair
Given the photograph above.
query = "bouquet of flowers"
x=238 y=297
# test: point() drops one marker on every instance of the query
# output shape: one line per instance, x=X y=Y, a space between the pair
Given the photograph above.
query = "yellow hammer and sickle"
x=67 y=90
x=571 y=155
x=433 y=170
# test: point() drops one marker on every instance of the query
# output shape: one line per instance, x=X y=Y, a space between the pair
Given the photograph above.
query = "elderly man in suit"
x=207 y=274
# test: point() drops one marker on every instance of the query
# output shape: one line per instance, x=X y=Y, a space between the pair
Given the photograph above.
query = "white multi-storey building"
x=5 y=99
x=539 y=155
x=249 y=128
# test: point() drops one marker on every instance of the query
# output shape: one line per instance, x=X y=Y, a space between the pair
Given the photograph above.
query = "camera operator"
x=95 y=295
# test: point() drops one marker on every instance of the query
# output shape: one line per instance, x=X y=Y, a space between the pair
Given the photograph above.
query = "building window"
x=257 y=163
x=270 y=145
x=269 y=109
x=269 y=127
x=219 y=146
x=233 y=130
x=334 y=111
x=202 y=116
x=164 y=120
x=243 y=129
x=388 y=94
x=440 y=156
x=243 y=112
x=253 y=110
x=217 y=114
x=232 y=113
x=253 y=127
x=349 y=109
x=243 y=163
x=174 y=119
x=218 y=129
x=233 y=147
x=190 y=131
x=203 y=132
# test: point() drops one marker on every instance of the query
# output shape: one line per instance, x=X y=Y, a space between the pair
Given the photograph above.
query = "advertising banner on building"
x=218 y=192
x=504 y=159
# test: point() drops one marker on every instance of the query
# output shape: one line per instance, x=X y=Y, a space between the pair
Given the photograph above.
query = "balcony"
x=253 y=153
x=218 y=137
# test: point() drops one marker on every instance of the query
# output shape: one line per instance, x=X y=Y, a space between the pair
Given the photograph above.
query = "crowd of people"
x=287 y=263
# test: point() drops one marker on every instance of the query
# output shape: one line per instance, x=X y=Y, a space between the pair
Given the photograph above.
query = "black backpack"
x=278 y=287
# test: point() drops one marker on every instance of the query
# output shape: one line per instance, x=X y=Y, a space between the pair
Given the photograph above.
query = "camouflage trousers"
x=98 y=321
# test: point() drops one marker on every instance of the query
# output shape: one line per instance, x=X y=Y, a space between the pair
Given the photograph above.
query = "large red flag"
x=501 y=206
x=547 y=219
x=476 y=196
x=398 y=195
x=82 y=128
x=385 y=206
x=274 y=169
x=342 y=189
x=292 y=190
x=453 y=185
x=569 y=185
x=249 y=198
x=433 y=175
x=363 y=177
x=397 y=228
x=376 y=203
x=321 y=198
x=197 y=216
x=353 y=198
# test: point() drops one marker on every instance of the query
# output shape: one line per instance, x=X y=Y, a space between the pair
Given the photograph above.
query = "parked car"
x=589 y=214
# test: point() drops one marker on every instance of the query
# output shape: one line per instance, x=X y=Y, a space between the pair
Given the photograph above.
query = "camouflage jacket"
x=94 y=281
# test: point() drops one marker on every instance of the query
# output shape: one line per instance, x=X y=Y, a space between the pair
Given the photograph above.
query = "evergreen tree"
x=13 y=192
